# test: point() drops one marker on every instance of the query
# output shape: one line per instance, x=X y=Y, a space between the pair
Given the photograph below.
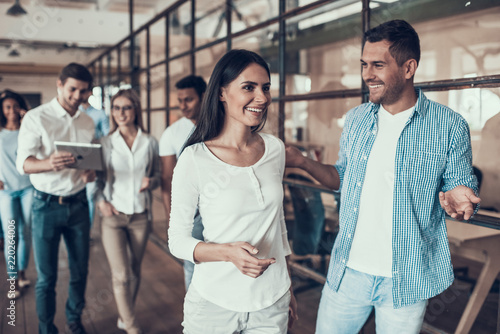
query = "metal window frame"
x=96 y=65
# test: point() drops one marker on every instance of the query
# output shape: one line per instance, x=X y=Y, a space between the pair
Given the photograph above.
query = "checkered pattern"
x=433 y=154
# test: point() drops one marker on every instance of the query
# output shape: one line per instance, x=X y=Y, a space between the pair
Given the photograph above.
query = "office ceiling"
x=55 y=32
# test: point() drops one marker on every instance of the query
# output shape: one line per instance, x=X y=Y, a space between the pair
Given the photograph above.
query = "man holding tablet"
x=60 y=205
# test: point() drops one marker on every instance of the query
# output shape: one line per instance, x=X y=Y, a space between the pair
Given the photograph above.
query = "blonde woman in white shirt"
x=241 y=283
x=132 y=170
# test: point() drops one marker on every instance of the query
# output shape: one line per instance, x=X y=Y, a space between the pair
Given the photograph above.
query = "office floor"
x=159 y=304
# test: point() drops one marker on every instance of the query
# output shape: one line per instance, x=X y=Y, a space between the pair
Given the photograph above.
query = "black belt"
x=79 y=196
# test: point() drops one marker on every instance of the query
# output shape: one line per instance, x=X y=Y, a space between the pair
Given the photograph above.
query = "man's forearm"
x=327 y=175
x=33 y=165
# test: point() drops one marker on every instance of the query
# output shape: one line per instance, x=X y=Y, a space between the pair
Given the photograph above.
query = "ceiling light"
x=14 y=53
x=16 y=10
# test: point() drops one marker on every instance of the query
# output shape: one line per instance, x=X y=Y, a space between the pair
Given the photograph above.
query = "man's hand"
x=60 y=160
x=459 y=202
x=107 y=209
x=294 y=158
x=88 y=176
x=1 y=185
x=241 y=254
x=146 y=181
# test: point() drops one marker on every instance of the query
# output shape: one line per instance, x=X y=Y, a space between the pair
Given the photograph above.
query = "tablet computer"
x=88 y=156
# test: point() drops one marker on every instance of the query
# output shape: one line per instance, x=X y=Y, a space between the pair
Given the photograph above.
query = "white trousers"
x=204 y=317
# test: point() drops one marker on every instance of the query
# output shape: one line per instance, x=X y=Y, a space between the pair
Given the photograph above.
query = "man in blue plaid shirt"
x=404 y=161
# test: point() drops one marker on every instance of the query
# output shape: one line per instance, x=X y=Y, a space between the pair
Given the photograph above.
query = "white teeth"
x=254 y=109
x=375 y=86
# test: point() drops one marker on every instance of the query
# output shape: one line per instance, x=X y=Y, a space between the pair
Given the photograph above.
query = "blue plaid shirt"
x=433 y=154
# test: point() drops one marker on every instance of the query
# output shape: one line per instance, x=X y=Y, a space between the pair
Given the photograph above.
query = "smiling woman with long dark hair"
x=16 y=191
x=234 y=175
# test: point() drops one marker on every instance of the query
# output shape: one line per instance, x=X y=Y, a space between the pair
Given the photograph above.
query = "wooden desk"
x=480 y=244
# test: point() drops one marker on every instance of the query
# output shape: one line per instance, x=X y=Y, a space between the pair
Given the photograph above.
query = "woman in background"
x=123 y=196
x=16 y=193
x=234 y=174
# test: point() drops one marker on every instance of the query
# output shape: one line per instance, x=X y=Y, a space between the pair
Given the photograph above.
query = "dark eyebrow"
x=254 y=83
x=377 y=62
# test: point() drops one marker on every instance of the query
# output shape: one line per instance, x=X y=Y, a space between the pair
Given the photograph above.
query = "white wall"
x=42 y=84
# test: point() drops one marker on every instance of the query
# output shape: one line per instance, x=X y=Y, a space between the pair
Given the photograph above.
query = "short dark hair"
x=193 y=81
x=78 y=72
x=404 y=40
x=8 y=94
x=212 y=113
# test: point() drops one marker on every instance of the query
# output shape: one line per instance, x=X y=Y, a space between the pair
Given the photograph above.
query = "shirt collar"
x=60 y=111
x=419 y=106
x=116 y=134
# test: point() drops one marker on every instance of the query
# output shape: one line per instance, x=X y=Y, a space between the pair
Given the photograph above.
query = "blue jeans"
x=90 y=188
x=346 y=311
x=197 y=233
x=15 y=205
x=52 y=220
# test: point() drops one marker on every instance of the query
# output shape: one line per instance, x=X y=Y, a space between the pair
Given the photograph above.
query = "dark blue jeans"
x=52 y=220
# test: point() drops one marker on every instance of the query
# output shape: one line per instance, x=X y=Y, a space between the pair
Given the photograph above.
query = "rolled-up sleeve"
x=459 y=161
x=29 y=141
x=185 y=195
x=341 y=163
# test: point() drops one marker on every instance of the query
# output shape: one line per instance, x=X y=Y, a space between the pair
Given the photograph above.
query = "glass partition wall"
x=313 y=49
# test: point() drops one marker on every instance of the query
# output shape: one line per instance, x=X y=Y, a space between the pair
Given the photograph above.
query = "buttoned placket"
x=256 y=186
x=72 y=131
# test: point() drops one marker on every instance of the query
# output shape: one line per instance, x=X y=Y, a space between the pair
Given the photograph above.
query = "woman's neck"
x=128 y=130
x=11 y=125
x=128 y=133
x=237 y=136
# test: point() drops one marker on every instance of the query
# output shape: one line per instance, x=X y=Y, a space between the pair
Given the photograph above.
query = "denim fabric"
x=198 y=234
x=16 y=205
x=52 y=220
x=346 y=311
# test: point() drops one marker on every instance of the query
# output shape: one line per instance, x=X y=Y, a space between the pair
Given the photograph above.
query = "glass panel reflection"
x=207 y=58
x=458 y=40
x=265 y=43
x=247 y=13
x=211 y=22
x=180 y=29
x=323 y=49
x=158 y=87
x=318 y=124
x=157 y=36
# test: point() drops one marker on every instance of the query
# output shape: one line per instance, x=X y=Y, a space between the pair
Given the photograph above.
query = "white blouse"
x=236 y=204
x=129 y=167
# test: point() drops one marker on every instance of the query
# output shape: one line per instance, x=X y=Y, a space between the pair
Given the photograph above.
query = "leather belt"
x=62 y=200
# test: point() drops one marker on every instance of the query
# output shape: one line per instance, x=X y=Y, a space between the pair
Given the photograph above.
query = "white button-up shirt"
x=129 y=167
x=40 y=128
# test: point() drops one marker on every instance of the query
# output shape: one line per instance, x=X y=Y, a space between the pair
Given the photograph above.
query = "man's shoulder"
x=35 y=114
x=182 y=125
x=359 y=112
x=437 y=110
